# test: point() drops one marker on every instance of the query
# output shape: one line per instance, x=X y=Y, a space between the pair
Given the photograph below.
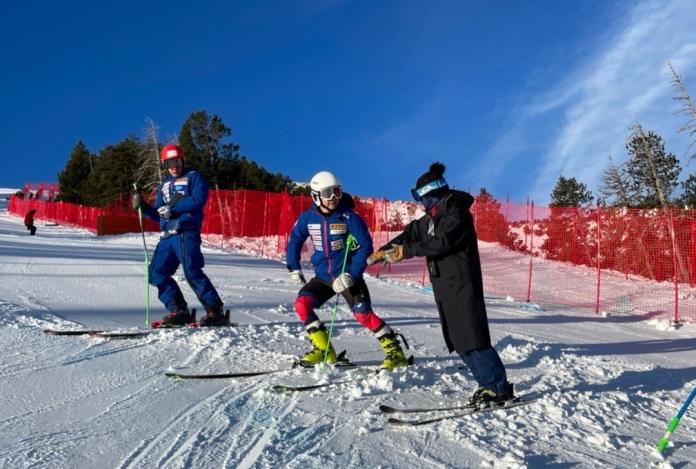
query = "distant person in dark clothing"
x=29 y=222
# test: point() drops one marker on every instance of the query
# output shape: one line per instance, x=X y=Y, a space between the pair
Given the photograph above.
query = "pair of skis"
x=131 y=334
x=106 y=334
x=342 y=364
x=456 y=411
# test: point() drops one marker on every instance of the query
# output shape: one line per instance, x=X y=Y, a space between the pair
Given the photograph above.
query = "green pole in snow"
x=349 y=241
x=674 y=423
x=147 y=263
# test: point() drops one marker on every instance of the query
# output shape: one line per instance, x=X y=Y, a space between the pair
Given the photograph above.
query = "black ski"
x=185 y=374
x=127 y=334
x=412 y=410
x=232 y=374
x=72 y=331
x=342 y=363
x=122 y=334
x=280 y=388
x=416 y=422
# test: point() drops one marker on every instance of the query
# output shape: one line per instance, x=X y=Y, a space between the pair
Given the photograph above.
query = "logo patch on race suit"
x=181 y=184
x=337 y=245
x=338 y=228
x=315 y=232
x=178 y=186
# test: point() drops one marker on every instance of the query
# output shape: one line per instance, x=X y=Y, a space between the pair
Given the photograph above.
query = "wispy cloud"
x=627 y=80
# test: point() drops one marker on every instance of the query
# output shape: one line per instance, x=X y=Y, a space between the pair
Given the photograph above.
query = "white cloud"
x=626 y=81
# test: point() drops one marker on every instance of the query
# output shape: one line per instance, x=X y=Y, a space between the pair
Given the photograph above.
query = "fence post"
x=526 y=212
x=599 y=264
x=674 y=266
x=507 y=210
x=263 y=228
x=531 y=256
x=692 y=260
x=244 y=204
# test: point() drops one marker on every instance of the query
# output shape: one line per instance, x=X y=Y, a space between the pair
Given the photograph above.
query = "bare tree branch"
x=687 y=107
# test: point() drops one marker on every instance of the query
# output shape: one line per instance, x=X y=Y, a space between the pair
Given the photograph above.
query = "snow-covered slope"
x=607 y=386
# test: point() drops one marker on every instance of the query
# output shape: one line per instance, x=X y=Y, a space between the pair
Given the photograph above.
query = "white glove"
x=342 y=283
x=165 y=212
x=297 y=277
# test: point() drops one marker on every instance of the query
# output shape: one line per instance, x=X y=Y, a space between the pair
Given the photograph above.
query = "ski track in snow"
x=607 y=386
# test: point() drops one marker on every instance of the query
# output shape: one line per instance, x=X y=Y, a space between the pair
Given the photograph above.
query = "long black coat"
x=455 y=270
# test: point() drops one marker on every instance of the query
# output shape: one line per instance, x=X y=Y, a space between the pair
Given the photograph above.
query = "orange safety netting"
x=609 y=260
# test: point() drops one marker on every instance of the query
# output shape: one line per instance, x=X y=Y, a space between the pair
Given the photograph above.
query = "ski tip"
x=387 y=409
x=279 y=388
x=397 y=422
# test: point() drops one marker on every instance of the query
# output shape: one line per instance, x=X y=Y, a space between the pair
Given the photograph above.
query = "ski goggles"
x=429 y=187
x=172 y=163
x=330 y=192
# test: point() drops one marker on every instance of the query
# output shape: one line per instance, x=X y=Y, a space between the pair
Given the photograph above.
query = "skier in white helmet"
x=340 y=236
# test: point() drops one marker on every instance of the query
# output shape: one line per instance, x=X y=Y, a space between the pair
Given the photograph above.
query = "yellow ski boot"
x=320 y=340
x=395 y=357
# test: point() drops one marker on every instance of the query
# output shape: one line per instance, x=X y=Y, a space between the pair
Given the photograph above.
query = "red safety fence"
x=608 y=260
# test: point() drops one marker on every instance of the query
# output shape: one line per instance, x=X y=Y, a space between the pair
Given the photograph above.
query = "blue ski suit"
x=329 y=233
x=329 y=236
x=180 y=242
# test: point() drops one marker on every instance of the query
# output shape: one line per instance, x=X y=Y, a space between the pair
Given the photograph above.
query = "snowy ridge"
x=609 y=385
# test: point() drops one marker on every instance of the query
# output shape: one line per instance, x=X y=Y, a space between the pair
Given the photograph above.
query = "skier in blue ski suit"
x=338 y=234
x=179 y=210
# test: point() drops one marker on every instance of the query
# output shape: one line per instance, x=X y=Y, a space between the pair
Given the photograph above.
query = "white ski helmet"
x=325 y=185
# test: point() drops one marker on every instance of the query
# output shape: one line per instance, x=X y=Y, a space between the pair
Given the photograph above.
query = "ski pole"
x=147 y=263
x=675 y=422
x=349 y=242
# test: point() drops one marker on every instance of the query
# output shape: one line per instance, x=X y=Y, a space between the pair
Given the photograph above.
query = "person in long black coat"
x=447 y=238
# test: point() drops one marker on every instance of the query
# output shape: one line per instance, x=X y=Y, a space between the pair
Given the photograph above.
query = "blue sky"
x=508 y=94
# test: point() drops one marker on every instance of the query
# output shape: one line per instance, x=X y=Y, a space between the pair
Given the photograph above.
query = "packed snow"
x=605 y=386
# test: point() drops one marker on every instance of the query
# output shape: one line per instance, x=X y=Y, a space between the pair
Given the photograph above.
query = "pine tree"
x=652 y=172
x=566 y=228
x=570 y=193
x=194 y=157
x=202 y=141
x=688 y=198
x=614 y=186
x=491 y=224
x=73 y=179
x=114 y=172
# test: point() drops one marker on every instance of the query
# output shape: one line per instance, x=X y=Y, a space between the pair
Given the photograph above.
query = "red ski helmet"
x=171 y=152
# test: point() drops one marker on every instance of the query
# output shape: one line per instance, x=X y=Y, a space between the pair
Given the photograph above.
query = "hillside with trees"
x=101 y=178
